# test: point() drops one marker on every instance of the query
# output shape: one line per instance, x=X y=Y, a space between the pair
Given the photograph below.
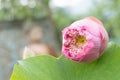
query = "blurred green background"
x=63 y=13
x=53 y=16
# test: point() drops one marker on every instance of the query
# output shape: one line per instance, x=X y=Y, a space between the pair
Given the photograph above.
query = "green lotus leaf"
x=46 y=67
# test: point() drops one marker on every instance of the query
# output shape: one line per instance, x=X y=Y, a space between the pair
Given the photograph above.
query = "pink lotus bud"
x=84 y=40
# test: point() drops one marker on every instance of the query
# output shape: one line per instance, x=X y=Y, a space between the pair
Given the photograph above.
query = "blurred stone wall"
x=12 y=41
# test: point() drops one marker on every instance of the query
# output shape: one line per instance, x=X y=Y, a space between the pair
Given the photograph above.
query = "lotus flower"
x=84 y=40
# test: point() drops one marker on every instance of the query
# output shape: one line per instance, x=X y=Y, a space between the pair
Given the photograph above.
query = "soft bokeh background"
x=52 y=16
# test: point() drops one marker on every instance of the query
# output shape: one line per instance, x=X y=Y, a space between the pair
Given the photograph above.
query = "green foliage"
x=17 y=10
x=107 y=67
